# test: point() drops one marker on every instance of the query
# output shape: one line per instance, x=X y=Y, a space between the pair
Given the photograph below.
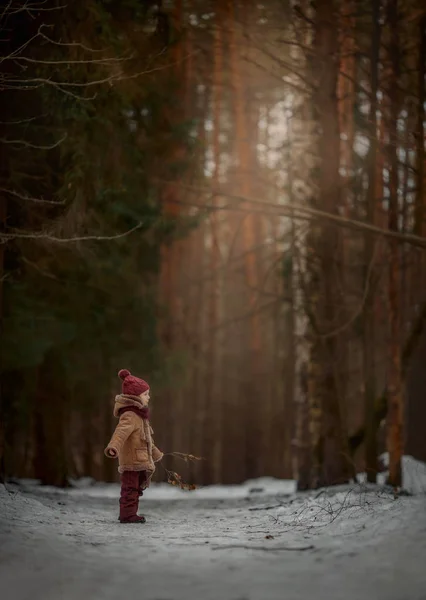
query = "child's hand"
x=111 y=452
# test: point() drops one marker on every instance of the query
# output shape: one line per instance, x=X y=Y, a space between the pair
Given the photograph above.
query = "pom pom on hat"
x=132 y=386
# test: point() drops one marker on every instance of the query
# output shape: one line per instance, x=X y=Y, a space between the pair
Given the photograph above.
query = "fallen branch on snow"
x=265 y=548
x=265 y=507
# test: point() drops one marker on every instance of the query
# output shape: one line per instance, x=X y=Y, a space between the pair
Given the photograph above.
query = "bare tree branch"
x=265 y=548
x=291 y=210
x=5 y=237
x=30 y=198
x=30 y=145
x=91 y=61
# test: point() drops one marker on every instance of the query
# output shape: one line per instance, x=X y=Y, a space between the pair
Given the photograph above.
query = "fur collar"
x=125 y=401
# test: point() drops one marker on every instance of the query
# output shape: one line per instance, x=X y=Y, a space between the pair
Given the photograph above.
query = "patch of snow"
x=263 y=486
x=413 y=474
x=25 y=482
x=82 y=482
x=338 y=512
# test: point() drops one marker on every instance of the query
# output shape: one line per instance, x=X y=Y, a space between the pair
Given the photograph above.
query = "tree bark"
x=346 y=92
x=242 y=129
x=302 y=447
x=327 y=370
x=419 y=217
x=369 y=340
x=3 y=213
x=171 y=253
x=381 y=402
x=214 y=362
x=395 y=417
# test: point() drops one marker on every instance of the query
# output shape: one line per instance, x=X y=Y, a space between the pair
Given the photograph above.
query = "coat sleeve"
x=156 y=453
x=125 y=427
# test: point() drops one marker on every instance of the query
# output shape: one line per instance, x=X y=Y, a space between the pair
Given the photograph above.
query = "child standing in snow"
x=133 y=444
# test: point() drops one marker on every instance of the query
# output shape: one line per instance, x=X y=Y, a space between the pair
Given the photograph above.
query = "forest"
x=228 y=199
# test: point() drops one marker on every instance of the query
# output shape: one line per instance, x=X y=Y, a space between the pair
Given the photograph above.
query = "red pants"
x=132 y=486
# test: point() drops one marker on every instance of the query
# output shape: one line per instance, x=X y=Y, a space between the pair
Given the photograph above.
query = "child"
x=132 y=443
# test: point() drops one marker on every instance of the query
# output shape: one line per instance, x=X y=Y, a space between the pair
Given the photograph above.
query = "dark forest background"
x=228 y=199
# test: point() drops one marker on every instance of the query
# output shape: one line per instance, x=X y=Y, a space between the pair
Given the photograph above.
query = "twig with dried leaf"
x=174 y=478
x=185 y=457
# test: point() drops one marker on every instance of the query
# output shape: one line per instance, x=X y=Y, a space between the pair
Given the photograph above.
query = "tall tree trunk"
x=419 y=217
x=176 y=263
x=253 y=435
x=199 y=443
x=3 y=223
x=332 y=453
x=369 y=344
x=214 y=362
x=290 y=414
x=346 y=93
x=308 y=442
x=395 y=417
x=169 y=293
x=3 y=213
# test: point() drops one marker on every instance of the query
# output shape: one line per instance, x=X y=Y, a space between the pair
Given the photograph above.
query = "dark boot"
x=133 y=519
x=138 y=519
x=129 y=498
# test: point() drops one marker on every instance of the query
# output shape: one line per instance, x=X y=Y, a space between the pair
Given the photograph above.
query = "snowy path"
x=342 y=546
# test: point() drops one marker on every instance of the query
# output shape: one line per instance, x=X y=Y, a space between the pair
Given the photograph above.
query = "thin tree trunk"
x=176 y=263
x=290 y=325
x=369 y=338
x=302 y=447
x=214 y=361
x=419 y=217
x=200 y=392
x=3 y=213
x=395 y=418
x=346 y=92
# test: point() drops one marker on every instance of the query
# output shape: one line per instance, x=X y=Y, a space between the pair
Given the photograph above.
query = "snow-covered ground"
x=257 y=541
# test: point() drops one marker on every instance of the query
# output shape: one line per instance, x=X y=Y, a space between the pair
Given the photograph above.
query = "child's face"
x=145 y=397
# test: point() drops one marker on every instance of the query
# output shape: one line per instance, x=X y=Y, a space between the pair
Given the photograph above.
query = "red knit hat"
x=132 y=386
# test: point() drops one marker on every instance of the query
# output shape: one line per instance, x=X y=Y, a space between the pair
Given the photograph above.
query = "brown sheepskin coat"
x=132 y=439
